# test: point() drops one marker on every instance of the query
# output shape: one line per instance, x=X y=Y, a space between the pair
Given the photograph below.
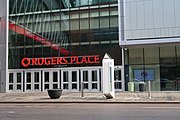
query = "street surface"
x=81 y=111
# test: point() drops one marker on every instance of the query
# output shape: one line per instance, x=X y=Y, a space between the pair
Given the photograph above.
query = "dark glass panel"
x=74 y=86
x=55 y=86
x=36 y=76
x=28 y=77
x=65 y=76
x=55 y=76
x=85 y=75
x=36 y=87
x=94 y=75
x=18 y=87
x=18 y=77
x=11 y=77
x=168 y=77
x=74 y=76
x=46 y=76
x=94 y=86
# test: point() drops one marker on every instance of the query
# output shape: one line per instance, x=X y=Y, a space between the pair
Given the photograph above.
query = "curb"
x=90 y=102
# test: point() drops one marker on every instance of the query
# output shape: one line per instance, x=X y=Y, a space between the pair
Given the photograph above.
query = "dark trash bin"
x=55 y=93
x=142 y=87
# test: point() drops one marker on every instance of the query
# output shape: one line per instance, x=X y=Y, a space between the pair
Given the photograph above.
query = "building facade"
x=60 y=43
x=151 y=42
x=49 y=44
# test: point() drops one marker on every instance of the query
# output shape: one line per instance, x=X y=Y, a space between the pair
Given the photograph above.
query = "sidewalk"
x=122 y=97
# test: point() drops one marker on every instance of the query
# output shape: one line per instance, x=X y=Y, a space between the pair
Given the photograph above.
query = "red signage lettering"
x=94 y=59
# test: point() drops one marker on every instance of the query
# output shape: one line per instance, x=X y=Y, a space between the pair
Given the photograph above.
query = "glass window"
x=151 y=55
x=167 y=55
x=10 y=87
x=18 y=77
x=85 y=75
x=18 y=87
x=133 y=69
x=28 y=77
x=55 y=86
x=74 y=86
x=94 y=20
x=36 y=76
x=74 y=76
x=113 y=21
x=36 y=86
x=178 y=54
x=154 y=76
x=168 y=77
x=94 y=75
x=46 y=76
x=104 y=18
x=136 y=56
x=94 y=86
x=11 y=77
x=117 y=74
x=74 y=20
x=46 y=86
x=55 y=76
x=65 y=76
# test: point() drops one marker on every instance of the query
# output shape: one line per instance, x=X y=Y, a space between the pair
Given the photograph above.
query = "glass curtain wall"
x=161 y=63
x=47 y=28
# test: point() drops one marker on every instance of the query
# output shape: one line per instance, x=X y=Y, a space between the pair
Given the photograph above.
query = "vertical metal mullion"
x=51 y=24
x=15 y=53
x=144 y=66
x=26 y=6
x=109 y=32
x=60 y=33
x=20 y=6
x=28 y=18
x=32 y=25
x=79 y=29
x=24 y=43
x=35 y=9
x=99 y=16
x=31 y=5
x=36 y=24
x=14 y=8
x=49 y=27
x=54 y=30
x=89 y=26
x=46 y=26
x=41 y=29
x=176 y=88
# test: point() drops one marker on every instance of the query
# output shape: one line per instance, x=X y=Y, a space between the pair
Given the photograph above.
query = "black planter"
x=55 y=93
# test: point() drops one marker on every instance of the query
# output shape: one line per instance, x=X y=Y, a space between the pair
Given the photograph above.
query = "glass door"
x=70 y=80
x=74 y=76
x=95 y=80
x=51 y=79
x=86 y=80
x=117 y=80
x=15 y=81
x=91 y=79
x=32 y=81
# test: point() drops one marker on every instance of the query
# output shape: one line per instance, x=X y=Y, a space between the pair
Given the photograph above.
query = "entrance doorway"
x=32 y=81
x=15 y=81
x=91 y=79
x=51 y=79
x=70 y=80
x=118 y=82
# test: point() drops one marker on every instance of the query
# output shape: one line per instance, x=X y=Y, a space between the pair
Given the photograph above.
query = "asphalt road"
x=89 y=112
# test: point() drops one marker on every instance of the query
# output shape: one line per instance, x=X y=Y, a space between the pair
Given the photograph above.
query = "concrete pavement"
x=121 y=97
